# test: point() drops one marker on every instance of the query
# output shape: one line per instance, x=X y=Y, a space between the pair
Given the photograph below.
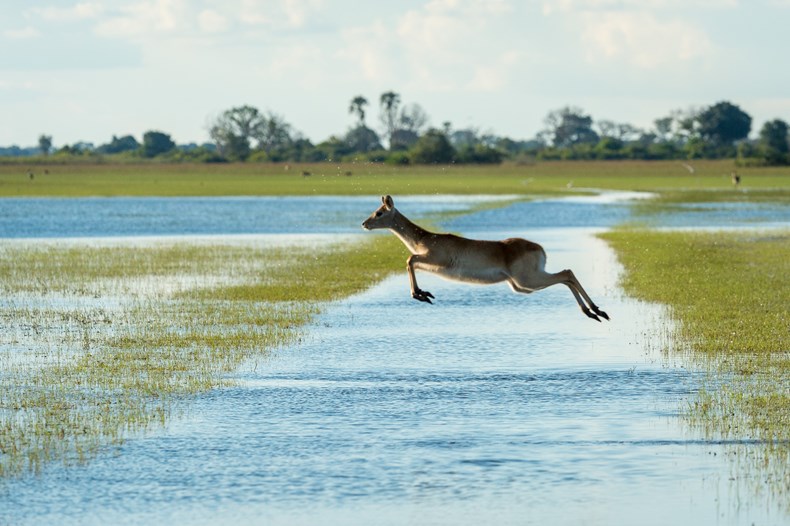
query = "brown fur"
x=517 y=261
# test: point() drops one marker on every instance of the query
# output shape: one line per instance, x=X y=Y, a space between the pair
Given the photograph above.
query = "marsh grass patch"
x=729 y=294
x=710 y=180
x=98 y=343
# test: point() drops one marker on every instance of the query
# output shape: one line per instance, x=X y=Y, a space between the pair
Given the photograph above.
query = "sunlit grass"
x=710 y=180
x=730 y=295
x=97 y=342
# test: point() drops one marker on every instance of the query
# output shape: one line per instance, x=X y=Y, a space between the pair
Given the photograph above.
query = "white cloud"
x=444 y=45
x=291 y=63
x=79 y=11
x=286 y=13
x=432 y=33
x=211 y=21
x=251 y=12
x=491 y=77
x=566 y=6
x=145 y=17
x=469 y=7
x=371 y=50
x=297 y=11
x=19 y=85
x=22 y=34
x=641 y=39
x=185 y=18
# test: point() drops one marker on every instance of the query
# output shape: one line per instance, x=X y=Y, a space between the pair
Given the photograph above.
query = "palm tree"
x=357 y=106
x=389 y=103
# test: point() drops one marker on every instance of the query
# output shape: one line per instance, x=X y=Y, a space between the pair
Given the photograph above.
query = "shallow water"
x=201 y=216
x=487 y=407
x=180 y=216
x=610 y=209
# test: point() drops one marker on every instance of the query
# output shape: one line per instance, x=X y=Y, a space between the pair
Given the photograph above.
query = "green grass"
x=709 y=178
x=106 y=341
x=730 y=295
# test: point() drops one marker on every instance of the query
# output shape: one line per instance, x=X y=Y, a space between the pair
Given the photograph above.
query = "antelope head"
x=382 y=217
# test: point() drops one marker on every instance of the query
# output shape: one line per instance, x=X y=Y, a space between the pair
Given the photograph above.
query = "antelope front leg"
x=416 y=292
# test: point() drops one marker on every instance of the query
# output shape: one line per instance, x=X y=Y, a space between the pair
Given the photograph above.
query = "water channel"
x=486 y=408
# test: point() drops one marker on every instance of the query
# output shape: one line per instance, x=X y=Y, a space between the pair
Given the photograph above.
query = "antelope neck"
x=408 y=232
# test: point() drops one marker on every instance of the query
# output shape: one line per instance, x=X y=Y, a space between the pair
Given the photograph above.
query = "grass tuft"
x=97 y=343
x=730 y=295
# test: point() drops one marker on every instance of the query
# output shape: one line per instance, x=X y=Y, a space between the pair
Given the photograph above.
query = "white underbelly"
x=482 y=276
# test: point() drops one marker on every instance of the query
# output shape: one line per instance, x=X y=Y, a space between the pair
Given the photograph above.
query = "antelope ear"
x=387 y=200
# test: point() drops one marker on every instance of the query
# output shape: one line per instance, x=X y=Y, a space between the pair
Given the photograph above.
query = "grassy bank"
x=105 y=341
x=711 y=179
x=730 y=294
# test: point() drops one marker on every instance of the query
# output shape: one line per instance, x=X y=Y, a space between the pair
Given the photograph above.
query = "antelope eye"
x=378 y=214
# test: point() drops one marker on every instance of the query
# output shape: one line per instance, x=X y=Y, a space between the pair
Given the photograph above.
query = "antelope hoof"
x=422 y=295
x=591 y=314
x=601 y=313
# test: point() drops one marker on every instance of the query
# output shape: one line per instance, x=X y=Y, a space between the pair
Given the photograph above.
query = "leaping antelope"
x=517 y=261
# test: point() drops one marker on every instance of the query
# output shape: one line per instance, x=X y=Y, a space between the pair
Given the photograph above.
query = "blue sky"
x=87 y=70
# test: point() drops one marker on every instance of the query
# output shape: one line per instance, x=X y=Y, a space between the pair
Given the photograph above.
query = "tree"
x=362 y=139
x=273 y=133
x=411 y=121
x=334 y=148
x=403 y=139
x=119 y=144
x=479 y=154
x=609 y=148
x=433 y=148
x=467 y=137
x=568 y=127
x=45 y=144
x=723 y=123
x=78 y=148
x=389 y=103
x=357 y=106
x=679 y=127
x=156 y=143
x=687 y=125
x=663 y=127
x=233 y=130
x=607 y=128
x=773 y=144
x=300 y=149
x=618 y=130
x=412 y=118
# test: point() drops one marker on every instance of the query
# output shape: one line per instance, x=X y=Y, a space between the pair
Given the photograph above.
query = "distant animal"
x=516 y=261
x=31 y=175
x=736 y=179
x=306 y=174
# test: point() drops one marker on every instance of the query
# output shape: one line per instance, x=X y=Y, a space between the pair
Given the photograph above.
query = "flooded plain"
x=487 y=407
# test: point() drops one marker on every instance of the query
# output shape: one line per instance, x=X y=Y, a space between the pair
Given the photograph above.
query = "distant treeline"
x=245 y=133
